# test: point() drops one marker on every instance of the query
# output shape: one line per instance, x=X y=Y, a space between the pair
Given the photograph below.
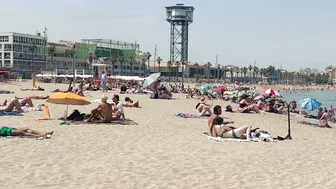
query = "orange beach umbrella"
x=68 y=99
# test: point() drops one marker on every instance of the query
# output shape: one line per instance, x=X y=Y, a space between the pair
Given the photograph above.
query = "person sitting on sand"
x=10 y=107
x=218 y=129
x=130 y=103
x=245 y=106
x=217 y=111
x=9 y=131
x=293 y=106
x=324 y=119
x=103 y=112
x=203 y=108
x=118 y=109
x=80 y=89
x=6 y=92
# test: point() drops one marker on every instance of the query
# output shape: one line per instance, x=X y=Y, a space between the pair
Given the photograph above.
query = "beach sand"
x=162 y=151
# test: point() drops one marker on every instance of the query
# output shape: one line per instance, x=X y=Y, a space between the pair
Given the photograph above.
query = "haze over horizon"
x=294 y=34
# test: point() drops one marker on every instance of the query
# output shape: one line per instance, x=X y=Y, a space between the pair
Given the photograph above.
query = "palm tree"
x=32 y=48
x=159 y=62
x=177 y=65
x=169 y=64
x=244 y=72
x=255 y=72
x=131 y=64
x=121 y=60
x=218 y=70
x=148 y=59
x=250 y=68
x=208 y=65
x=231 y=73
x=143 y=63
x=237 y=72
x=52 y=50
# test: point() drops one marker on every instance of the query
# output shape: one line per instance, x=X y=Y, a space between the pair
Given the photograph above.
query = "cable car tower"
x=179 y=17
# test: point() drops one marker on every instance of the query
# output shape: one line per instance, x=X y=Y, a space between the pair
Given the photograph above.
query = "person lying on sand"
x=118 y=109
x=203 y=108
x=6 y=92
x=103 y=112
x=39 y=88
x=221 y=130
x=23 y=102
x=36 y=97
x=10 y=106
x=245 y=106
x=9 y=131
x=130 y=103
x=67 y=91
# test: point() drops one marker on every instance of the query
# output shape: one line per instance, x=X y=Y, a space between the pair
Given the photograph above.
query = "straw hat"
x=203 y=100
x=104 y=98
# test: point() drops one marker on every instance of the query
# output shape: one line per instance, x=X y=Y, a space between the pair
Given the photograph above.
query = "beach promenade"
x=162 y=151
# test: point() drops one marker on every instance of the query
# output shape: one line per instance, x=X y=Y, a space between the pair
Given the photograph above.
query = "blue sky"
x=291 y=33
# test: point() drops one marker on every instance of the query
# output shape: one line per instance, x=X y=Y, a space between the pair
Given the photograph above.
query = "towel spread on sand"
x=116 y=122
x=98 y=101
x=12 y=113
x=312 y=124
x=191 y=115
x=257 y=136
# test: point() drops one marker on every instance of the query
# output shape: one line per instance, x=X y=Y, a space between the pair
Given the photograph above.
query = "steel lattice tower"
x=179 y=17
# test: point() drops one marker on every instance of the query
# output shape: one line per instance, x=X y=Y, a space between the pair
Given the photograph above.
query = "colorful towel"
x=188 y=115
x=12 y=113
x=116 y=122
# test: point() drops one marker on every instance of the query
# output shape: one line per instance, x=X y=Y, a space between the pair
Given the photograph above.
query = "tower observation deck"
x=179 y=17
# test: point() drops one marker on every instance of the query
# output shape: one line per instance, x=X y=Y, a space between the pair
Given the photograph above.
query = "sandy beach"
x=162 y=151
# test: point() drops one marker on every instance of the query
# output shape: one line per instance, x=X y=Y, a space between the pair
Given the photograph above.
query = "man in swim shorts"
x=9 y=131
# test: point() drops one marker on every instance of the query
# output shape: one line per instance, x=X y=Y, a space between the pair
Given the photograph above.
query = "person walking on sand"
x=33 y=76
x=104 y=81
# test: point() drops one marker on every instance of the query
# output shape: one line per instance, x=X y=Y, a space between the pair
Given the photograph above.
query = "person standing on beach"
x=33 y=76
x=104 y=80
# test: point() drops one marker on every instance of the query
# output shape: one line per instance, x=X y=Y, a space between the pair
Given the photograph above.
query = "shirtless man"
x=103 y=112
x=324 y=119
x=217 y=111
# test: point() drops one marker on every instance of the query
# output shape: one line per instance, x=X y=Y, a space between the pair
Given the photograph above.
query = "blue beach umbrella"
x=151 y=79
x=205 y=88
x=310 y=104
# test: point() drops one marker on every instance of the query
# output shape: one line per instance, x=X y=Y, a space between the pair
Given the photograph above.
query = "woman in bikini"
x=130 y=103
x=203 y=108
x=245 y=106
x=9 y=107
x=218 y=129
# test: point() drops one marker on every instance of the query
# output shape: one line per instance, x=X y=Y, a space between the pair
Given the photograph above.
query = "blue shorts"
x=104 y=83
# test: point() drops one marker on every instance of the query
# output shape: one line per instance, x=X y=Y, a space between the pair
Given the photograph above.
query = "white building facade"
x=16 y=54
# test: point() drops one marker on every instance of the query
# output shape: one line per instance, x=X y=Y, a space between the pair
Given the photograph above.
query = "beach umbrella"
x=310 y=104
x=151 y=79
x=68 y=99
x=270 y=92
x=205 y=88
x=219 y=89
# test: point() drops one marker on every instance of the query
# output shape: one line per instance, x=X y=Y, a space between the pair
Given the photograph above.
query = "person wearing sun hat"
x=103 y=112
x=202 y=108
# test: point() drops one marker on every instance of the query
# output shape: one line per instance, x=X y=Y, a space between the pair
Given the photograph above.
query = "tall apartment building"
x=16 y=54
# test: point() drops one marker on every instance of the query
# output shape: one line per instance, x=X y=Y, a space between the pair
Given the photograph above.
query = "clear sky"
x=291 y=33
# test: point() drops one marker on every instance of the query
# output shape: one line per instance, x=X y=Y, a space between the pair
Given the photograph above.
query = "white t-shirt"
x=120 y=108
x=104 y=77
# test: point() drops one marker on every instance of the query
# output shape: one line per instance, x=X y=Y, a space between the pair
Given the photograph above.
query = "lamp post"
x=73 y=65
x=288 y=137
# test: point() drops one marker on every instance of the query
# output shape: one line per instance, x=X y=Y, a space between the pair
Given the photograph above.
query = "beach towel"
x=12 y=113
x=95 y=122
x=312 y=124
x=191 y=115
x=259 y=138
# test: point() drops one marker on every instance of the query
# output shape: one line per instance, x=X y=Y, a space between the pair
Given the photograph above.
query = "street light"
x=73 y=65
